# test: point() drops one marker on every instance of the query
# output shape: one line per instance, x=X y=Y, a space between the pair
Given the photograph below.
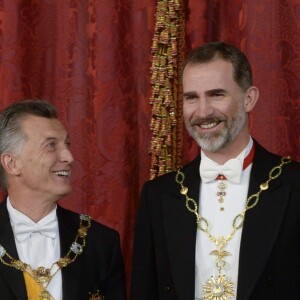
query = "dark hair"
x=11 y=135
x=208 y=52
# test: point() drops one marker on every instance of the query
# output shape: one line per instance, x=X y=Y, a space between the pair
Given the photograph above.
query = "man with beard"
x=227 y=225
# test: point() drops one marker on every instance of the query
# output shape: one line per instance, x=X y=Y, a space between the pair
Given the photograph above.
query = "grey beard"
x=211 y=143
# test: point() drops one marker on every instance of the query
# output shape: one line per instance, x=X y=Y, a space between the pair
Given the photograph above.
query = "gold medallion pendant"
x=96 y=296
x=44 y=295
x=42 y=275
x=218 y=288
x=221 y=287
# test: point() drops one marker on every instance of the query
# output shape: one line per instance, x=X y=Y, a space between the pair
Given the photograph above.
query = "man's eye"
x=190 y=98
x=217 y=96
x=51 y=145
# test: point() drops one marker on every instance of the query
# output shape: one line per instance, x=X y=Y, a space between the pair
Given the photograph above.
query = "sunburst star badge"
x=218 y=288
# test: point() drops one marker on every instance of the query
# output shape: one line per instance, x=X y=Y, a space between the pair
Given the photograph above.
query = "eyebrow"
x=52 y=138
x=215 y=91
x=189 y=94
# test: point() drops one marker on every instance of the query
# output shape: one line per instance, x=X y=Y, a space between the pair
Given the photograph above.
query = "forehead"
x=210 y=74
x=39 y=127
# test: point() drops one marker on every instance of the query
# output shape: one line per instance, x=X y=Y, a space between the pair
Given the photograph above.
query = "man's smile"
x=64 y=173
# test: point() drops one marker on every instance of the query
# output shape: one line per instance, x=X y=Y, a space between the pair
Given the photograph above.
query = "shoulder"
x=97 y=230
x=164 y=187
x=290 y=169
x=168 y=180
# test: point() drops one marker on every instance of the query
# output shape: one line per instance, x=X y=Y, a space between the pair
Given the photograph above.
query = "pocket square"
x=96 y=296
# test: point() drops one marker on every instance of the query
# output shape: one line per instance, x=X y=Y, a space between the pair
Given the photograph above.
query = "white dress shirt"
x=38 y=250
x=220 y=222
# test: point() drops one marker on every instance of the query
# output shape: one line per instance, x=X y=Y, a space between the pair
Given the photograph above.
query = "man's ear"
x=9 y=163
x=251 y=98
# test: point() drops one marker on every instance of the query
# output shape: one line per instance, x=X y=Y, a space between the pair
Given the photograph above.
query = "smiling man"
x=46 y=251
x=215 y=107
x=226 y=225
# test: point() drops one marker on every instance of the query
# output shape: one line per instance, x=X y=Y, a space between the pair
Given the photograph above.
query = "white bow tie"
x=232 y=170
x=23 y=229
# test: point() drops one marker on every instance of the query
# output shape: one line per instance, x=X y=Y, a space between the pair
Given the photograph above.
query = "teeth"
x=207 y=126
x=62 y=173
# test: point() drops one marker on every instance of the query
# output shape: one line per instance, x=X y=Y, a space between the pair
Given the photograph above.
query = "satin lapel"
x=180 y=232
x=71 y=274
x=13 y=277
x=262 y=223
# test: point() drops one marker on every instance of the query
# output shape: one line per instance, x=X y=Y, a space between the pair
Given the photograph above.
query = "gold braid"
x=220 y=287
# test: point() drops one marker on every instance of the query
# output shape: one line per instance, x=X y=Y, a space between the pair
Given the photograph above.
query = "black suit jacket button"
x=167 y=288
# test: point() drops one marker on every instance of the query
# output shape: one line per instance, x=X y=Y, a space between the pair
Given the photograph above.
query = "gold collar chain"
x=43 y=275
x=221 y=287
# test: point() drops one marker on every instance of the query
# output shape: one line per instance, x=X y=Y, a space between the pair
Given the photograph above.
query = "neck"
x=33 y=209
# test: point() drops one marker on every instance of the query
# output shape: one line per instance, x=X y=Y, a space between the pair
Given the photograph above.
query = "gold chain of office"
x=43 y=275
x=220 y=286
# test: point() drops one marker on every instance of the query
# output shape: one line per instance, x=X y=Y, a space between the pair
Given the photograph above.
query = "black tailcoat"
x=98 y=268
x=165 y=237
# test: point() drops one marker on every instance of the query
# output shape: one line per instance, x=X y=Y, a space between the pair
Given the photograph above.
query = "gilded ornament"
x=96 y=296
x=17 y=264
x=184 y=191
x=63 y=262
x=44 y=295
x=264 y=186
x=43 y=275
x=166 y=99
x=220 y=287
x=82 y=232
x=219 y=253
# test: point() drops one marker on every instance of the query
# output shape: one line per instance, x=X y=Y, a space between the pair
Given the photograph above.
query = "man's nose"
x=203 y=108
x=66 y=156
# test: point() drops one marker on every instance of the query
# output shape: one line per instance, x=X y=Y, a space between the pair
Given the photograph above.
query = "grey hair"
x=11 y=135
x=210 y=51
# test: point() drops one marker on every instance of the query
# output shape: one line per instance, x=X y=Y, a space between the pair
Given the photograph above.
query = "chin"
x=210 y=142
x=64 y=192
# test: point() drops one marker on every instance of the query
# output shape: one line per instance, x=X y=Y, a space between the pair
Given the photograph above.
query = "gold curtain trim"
x=166 y=98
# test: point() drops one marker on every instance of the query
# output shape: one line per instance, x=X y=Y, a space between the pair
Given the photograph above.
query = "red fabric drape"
x=92 y=58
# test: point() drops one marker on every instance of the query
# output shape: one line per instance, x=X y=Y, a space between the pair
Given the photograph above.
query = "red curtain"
x=91 y=58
